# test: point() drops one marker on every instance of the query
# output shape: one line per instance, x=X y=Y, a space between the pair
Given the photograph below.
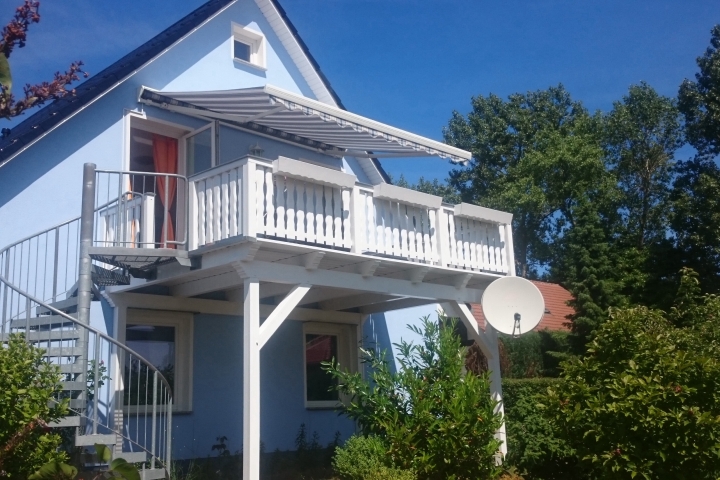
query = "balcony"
x=296 y=202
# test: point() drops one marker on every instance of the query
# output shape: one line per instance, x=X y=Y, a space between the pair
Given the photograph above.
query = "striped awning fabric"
x=276 y=111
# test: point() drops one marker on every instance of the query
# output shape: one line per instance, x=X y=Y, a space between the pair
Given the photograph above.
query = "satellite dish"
x=513 y=305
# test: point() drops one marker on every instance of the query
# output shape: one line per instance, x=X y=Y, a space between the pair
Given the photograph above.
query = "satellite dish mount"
x=513 y=305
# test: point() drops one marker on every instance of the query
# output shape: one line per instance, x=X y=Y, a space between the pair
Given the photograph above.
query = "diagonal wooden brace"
x=281 y=312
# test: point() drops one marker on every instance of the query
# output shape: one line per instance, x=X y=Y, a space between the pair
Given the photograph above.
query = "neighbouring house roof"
x=556 y=307
x=50 y=116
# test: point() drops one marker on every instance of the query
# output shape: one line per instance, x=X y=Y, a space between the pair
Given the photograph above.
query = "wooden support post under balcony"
x=488 y=342
x=251 y=380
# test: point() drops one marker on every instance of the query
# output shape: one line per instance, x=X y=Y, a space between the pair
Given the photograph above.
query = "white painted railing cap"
x=406 y=195
x=313 y=173
x=482 y=213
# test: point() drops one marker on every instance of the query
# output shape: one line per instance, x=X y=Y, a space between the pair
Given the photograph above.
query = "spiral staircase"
x=114 y=396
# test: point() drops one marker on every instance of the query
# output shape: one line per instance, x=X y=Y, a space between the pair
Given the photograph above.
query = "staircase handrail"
x=181 y=186
x=9 y=288
x=48 y=230
x=94 y=330
x=30 y=237
x=116 y=429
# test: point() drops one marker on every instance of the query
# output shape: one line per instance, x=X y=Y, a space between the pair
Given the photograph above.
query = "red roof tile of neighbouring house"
x=556 y=307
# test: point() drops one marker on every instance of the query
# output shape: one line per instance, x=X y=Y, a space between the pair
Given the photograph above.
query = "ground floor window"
x=323 y=343
x=165 y=340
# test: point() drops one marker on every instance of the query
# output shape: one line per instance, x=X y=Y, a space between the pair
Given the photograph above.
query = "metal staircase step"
x=72 y=368
x=78 y=404
x=47 y=335
x=132 y=457
x=53 y=321
x=104 y=277
x=74 y=421
x=68 y=303
x=63 y=352
x=90 y=440
x=152 y=474
x=74 y=386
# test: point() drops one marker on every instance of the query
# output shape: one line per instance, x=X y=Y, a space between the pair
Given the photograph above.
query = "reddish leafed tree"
x=14 y=34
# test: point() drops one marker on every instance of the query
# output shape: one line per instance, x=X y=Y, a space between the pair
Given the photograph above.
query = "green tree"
x=27 y=386
x=699 y=101
x=435 y=420
x=642 y=133
x=590 y=267
x=645 y=400
x=533 y=155
x=695 y=220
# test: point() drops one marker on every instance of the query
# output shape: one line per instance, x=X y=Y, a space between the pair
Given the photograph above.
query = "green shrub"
x=27 y=385
x=534 y=354
x=434 y=419
x=366 y=458
x=645 y=400
x=535 y=447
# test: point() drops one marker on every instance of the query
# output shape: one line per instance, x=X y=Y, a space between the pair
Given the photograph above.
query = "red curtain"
x=165 y=157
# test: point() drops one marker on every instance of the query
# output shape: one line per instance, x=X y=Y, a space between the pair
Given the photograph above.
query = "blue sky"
x=410 y=63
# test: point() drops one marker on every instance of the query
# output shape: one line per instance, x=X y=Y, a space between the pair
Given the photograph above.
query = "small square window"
x=242 y=51
x=248 y=46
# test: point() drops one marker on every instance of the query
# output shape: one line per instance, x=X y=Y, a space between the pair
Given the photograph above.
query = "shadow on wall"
x=377 y=336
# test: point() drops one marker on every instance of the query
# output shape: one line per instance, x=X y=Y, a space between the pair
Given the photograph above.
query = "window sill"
x=323 y=405
x=249 y=64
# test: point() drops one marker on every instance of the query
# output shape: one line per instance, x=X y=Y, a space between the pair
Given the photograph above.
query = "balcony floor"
x=342 y=281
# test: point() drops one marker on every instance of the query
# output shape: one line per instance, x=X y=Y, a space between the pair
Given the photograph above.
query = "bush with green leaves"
x=645 y=400
x=365 y=458
x=27 y=386
x=435 y=419
x=533 y=354
x=535 y=448
x=117 y=468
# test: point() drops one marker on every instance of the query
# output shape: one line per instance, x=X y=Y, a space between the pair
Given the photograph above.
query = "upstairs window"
x=248 y=46
x=242 y=51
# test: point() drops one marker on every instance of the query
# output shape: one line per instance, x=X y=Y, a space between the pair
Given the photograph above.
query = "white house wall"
x=41 y=186
x=218 y=391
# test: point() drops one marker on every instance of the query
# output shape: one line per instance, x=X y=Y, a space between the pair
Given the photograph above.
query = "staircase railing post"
x=85 y=283
x=55 y=264
x=4 y=314
x=87 y=219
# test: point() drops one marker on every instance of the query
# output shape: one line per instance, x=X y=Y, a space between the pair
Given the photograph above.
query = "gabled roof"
x=47 y=118
x=556 y=307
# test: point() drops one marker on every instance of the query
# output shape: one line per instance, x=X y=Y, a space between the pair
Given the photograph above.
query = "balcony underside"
x=342 y=281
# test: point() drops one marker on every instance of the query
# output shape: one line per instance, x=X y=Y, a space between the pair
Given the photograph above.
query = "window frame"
x=213 y=148
x=255 y=40
x=183 y=323
x=345 y=341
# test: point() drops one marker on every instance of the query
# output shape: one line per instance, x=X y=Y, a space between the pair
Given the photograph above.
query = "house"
x=557 y=309
x=204 y=222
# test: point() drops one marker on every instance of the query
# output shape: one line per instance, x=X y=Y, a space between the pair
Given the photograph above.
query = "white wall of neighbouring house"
x=387 y=330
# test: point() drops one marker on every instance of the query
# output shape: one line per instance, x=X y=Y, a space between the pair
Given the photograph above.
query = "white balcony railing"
x=300 y=202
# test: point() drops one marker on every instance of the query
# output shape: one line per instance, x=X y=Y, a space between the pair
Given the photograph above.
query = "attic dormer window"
x=248 y=46
x=242 y=51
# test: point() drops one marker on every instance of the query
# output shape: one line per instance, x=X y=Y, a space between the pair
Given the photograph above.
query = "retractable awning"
x=277 y=112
